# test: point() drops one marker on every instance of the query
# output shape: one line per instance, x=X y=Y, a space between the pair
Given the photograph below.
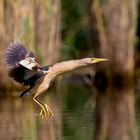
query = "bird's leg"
x=43 y=110
x=48 y=110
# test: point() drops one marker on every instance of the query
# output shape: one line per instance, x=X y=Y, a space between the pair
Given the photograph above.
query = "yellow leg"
x=48 y=110
x=44 y=109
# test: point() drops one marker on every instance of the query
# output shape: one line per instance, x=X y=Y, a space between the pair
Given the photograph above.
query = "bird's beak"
x=96 y=60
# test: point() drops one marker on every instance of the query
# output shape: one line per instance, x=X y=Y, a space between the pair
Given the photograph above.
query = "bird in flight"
x=23 y=68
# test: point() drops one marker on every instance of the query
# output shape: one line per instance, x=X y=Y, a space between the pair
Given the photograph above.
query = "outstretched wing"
x=21 y=65
x=17 y=54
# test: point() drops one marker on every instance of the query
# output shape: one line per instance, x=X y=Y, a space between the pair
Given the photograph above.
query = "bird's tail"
x=25 y=92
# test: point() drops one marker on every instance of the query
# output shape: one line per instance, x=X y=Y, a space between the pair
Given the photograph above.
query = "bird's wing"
x=28 y=63
x=21 y=64
x=17 y=54
x=23 y=75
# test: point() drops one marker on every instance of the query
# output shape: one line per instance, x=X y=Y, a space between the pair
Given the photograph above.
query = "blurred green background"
x=101 y=102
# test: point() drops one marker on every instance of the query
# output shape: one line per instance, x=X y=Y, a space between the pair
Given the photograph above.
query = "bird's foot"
x=46 y=111
x=43 y=113
x=50 y=114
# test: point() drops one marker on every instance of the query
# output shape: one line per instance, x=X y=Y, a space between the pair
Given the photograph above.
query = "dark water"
x=74 y=120
x=78 y=113
x=137 y=109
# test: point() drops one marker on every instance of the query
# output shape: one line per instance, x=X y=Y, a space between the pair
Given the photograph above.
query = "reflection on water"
x=137 y=106
x=78 y=113
x=19 y=117
x=78 y=125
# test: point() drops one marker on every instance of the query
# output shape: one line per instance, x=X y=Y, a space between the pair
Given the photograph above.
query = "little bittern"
x=23 y=68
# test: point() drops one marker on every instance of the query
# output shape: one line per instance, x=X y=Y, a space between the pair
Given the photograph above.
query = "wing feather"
x=21 y=64
x=14 y=53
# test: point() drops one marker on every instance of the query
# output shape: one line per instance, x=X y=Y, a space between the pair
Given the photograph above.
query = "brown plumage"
x=23 y=68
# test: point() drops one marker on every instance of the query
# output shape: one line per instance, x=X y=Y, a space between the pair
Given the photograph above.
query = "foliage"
x=75 y=29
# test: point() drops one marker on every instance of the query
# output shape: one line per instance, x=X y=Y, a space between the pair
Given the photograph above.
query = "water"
x=74 y=119
x=137 y=108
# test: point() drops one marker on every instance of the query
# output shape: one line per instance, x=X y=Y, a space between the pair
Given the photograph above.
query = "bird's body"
x=24 y=69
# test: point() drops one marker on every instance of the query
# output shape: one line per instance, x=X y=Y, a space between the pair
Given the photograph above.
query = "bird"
x=23 y=68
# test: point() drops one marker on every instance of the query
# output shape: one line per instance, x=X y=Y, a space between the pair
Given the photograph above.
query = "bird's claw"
x=50 y=114
x=42 y=113
x=46 y=111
